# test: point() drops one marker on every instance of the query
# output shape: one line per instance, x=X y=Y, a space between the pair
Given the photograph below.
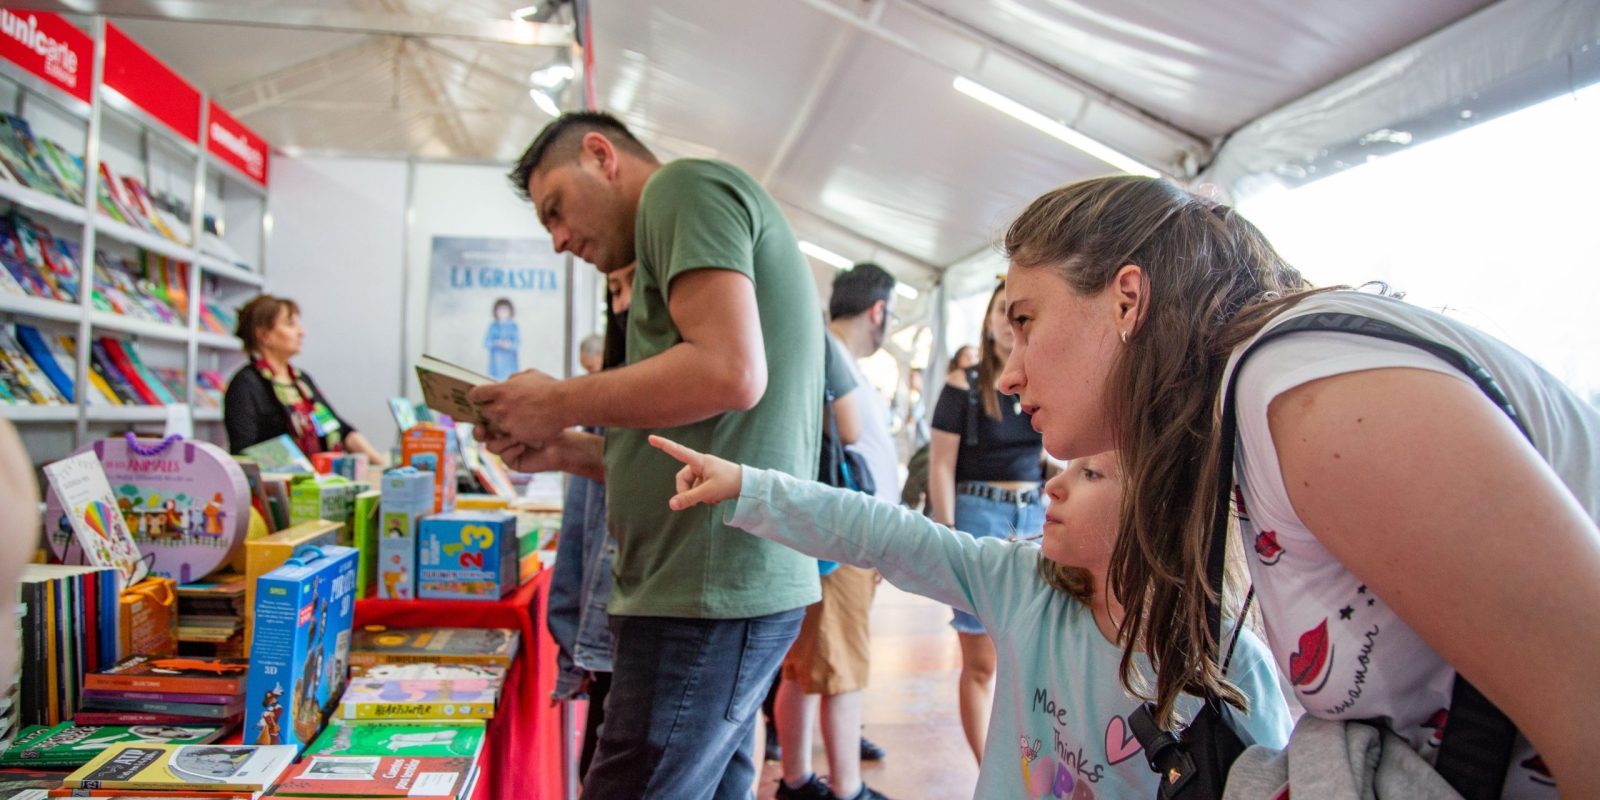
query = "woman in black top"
x=268 y=397
x=984 y=469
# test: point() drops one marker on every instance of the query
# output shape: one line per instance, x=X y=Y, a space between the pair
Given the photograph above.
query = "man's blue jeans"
x=681 y=713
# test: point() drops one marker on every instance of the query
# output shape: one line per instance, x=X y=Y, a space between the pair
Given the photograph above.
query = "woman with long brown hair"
x=1399 y=525
x=984 y=469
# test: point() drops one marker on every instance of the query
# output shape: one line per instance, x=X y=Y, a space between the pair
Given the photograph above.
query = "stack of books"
x=11 y=704
x=188 y=770
x=70 y=745
x=69 y=629
x=38 y=163
x=27 y=378
x=167 y=690
x=421 y=692
x=36 y=263
x=211 y=617
x=38 y=369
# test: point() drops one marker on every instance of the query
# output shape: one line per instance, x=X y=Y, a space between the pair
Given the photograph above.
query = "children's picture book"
x=467 y=555
x=183 y=502
x=70 y=745
x=460 y=738
x=404 y=413
x=426 y=671
x=383 y=699
x=374 y=776
x=279 y=455
x=445 y=387
x=376 y=644
x=300 y=656
x=176 y=674
x=182 y=766
x=91 y=509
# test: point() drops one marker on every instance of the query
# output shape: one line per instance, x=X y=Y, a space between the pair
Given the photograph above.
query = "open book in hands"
x=445 y=387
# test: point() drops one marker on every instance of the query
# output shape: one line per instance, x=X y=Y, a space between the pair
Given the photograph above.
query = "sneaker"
x=870 y=751
x=866 y=793
x=814 y=789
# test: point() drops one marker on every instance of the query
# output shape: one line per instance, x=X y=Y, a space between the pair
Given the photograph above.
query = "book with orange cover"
x=174 y=674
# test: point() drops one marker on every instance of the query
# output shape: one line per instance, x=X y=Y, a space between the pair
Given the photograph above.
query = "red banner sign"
x=235 y=144
x=50 y=47
x=150 y=85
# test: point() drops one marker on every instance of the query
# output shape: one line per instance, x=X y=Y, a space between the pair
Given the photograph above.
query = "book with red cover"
x=432 y=778
x=103 y=363
x=119 y=357
x=174 y=674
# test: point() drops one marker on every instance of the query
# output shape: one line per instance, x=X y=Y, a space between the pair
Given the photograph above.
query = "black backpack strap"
x=1476 y=749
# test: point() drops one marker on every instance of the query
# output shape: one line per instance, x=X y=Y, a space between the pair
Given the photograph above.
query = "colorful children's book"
x=177 y=674
x=376 y=644
x=373 y=777
x=382 y=699
x=69 y=745
x=467 y=555
x=80 y=484
x=173 y=766
x=300 y=653
x=460 y=738
x=427 y=671
x=279 y=455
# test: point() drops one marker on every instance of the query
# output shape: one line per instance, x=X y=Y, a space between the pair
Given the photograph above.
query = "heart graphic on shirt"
x=1313 y=659
x=1541 y=773
x=1436 y=722
x=1120 y=745
x=1267 y=547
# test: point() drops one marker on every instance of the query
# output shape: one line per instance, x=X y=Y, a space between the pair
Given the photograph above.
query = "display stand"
x=103 y=94
x=524 y=739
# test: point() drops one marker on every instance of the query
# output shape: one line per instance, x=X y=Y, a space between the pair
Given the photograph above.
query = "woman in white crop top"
x=1399 y=526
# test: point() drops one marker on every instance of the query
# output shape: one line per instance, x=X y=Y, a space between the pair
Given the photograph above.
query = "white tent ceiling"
x=845 y=108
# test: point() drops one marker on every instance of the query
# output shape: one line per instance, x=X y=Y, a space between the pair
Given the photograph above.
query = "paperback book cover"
x=376 y=644
x=433 y=672
x=369 y=777
x=178 y=674
x=279 y=455
x=140 y=718
x=234 y=706
x=462 y=739
x=445 y=387
x=379 y=698
x=71 y=745
x=80 y=484
x=168 y=766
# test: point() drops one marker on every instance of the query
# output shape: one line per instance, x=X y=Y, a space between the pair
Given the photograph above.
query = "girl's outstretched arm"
x=989 y=577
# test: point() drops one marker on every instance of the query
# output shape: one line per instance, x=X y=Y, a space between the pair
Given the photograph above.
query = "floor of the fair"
x=910 y=705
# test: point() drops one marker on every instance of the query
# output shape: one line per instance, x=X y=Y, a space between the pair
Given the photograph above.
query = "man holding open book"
x=724 y=349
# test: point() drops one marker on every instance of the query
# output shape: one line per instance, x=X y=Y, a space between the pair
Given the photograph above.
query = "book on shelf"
x=150 y=391
x=180 y=766
x=176 y=674
x=48 y=359
x=69 y=745
x=101 y=362
x=460 y=738
x=445 y=387
x=69 y=627
x=22 y=378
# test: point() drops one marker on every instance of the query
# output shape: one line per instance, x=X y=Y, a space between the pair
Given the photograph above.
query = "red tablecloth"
x=524 y=739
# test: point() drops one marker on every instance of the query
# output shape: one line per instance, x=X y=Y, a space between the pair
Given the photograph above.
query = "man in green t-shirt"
x=724 y=345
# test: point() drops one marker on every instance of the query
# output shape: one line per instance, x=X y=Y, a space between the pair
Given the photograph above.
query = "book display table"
x=523 y=750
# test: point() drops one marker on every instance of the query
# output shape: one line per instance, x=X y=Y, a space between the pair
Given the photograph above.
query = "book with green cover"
x=67 y=745
x=279 y=455
x=398 y=737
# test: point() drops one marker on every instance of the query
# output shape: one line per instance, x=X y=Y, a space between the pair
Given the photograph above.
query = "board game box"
x=467 y=555
x=301 y=651
x=406 y=495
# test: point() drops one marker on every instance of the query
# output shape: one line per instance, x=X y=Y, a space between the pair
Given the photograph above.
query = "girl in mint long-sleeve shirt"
x=1059 y=728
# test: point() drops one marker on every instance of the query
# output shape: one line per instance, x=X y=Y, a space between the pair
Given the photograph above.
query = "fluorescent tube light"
x=906 y=290
x=553 y=76
x=1000 y=102
x=525 y=12
x=544 y=102
x=825 y=255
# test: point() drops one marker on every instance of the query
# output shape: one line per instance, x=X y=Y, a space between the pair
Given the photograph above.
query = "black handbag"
x=1193 y=763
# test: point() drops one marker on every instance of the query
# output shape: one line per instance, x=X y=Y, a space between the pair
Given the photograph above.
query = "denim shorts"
x=980 y=517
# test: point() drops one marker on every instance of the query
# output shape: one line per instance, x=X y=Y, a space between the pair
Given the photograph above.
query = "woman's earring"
x=1124 y=337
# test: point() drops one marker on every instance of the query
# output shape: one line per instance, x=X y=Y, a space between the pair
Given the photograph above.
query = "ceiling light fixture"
x=544 y=102
x=825 y=255
x=906 y=290
x=524 y=13
x=1000 y=102
x=555 y=76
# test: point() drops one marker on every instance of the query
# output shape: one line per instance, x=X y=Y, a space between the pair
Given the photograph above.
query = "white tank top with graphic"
x=1342 y=650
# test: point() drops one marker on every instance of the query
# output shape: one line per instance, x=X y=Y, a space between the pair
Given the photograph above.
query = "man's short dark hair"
x=560 y=141
x=857 y=288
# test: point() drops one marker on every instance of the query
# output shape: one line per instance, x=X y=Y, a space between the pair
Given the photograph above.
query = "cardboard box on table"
x=467 y=555
x=328 y=497
x=406 y=495
x=300 y=657
x=430 y=448
x=270 y=552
